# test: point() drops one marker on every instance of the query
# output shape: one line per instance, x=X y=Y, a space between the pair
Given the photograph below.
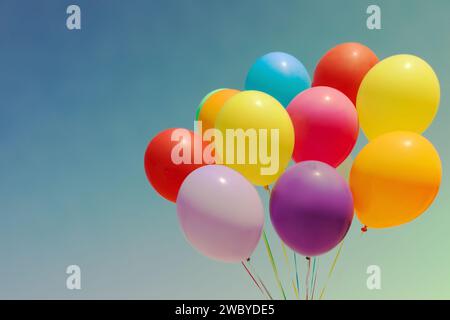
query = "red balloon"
x=344 y=67
x=163 y=172
x=325 y=125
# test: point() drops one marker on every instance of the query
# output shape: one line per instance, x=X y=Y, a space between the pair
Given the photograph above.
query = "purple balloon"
x=311 y=207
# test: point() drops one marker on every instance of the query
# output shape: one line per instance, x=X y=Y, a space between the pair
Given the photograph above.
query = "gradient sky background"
x=77 y=109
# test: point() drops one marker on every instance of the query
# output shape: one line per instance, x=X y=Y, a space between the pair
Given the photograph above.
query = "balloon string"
x=252 y=269
x=312 y=275
x=296 y=272
x=286 y=259
x=274 y=267
x=331 y=270
x=267 y=188
x=253 y=278
x=315 y=278
x=307 y=277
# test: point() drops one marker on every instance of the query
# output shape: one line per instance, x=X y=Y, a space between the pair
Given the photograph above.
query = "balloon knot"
x=364 y=229
x=248 y=259
x=308 y=258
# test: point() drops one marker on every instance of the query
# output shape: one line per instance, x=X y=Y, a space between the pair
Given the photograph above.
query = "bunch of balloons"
x=393 y=179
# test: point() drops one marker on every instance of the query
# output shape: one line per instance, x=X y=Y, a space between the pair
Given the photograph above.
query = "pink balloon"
x=220 y=213
x=325 y=124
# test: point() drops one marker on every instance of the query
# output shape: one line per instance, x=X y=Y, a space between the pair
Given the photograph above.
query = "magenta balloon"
x=325 y=124
x=311 y=207
x=221 y=213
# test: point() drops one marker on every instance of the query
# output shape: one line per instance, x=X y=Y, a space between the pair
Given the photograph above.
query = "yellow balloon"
x=210 y=106
x=394 y=179
x=399 y=93
x=261 y=140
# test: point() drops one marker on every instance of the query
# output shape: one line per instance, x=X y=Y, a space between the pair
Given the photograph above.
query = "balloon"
x=199 y=108
x=270 y=136
x=211 y=105
x=163 y=174
x=278 y=74
x=344 y=67
x=220 y=213
x=394 y=179
x=311 y=208
x=326 y=125
x=400 y=93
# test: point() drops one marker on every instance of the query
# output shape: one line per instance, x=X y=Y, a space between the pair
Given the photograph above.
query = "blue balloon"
x=280 y=75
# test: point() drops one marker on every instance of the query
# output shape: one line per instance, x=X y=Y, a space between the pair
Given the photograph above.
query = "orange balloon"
x=394 y=179
x=211 y=105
